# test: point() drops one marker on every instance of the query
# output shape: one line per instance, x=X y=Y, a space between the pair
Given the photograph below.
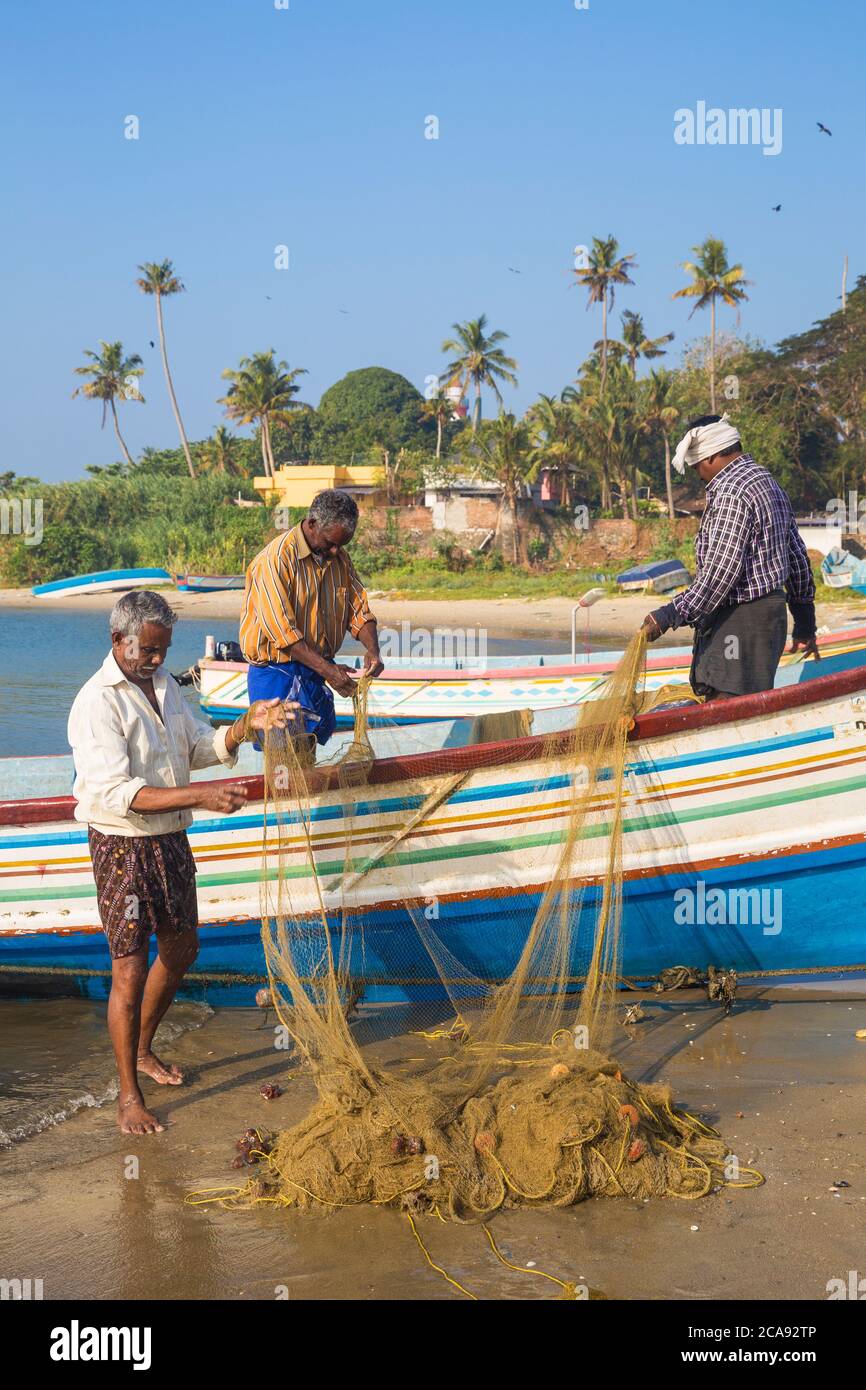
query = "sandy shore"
x=782 y=1078
x=611 y=619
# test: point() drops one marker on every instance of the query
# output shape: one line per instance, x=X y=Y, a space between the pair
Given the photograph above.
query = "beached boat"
x=102 y=582
x=743 y=819
x=407 y=694
x=842 y=570
x=657 y=576
x=207 y=583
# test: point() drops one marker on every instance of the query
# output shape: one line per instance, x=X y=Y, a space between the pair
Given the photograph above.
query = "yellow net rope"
x=407 y=893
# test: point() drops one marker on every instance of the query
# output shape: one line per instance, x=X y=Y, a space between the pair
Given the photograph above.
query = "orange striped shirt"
x=293 y=595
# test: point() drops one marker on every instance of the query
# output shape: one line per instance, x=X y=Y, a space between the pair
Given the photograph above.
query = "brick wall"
x=612 y=540
x=470 y=519
x=408 y=518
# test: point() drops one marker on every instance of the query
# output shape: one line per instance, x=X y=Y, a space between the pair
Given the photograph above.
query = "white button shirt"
x=119 y=746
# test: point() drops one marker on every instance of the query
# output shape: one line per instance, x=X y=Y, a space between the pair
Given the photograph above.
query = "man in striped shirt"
x=302 y=596
x=749 y=558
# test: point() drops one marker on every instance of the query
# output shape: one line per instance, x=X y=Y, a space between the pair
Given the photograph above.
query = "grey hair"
x=334 y=508
x=133 y=610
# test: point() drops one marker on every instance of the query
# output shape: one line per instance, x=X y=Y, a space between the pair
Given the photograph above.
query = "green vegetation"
x=605 y=270
x=479 y=361
x=435 y=579
x=712 y=279
x=602 y=443
x=144 y=520
x=368 y=416
x=113 y=378
x=262 y=392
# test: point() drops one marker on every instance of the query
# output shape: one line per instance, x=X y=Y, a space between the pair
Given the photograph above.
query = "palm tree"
x=480 y=360
x=555 y=440
x=622 y=420
x=606 y=269
x=635 y=342
x=660 y=415
x=261 y=391
x=584 y=401
x=440 y=408
x=114 y=378
x=500 y=451
x=220 y=452
x=158 y=278
x=712 y=279
x=609 y=425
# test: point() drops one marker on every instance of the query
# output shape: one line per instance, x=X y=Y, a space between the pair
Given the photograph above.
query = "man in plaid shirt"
x=749 y=558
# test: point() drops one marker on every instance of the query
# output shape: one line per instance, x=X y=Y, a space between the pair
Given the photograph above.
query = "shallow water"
x=55 y=1059
x=45 y=658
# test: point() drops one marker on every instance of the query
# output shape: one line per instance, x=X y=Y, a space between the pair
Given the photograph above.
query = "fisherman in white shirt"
x=134 y=743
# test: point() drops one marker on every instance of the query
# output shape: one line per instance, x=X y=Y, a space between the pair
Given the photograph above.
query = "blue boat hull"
x=230 y=967
x=102 y=580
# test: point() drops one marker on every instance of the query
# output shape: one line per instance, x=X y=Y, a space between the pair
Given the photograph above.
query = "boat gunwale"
x=481 y=756
x=464 y=674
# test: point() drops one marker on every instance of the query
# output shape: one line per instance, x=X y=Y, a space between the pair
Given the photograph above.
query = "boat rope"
x=635 y=982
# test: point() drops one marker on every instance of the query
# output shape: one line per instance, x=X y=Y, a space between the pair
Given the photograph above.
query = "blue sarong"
x=291 y=680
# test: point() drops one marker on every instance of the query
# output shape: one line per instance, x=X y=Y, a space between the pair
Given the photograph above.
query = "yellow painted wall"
x=297 y=484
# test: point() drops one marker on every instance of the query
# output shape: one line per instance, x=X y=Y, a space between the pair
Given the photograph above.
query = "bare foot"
x=166 y=1074
x=133 y=1117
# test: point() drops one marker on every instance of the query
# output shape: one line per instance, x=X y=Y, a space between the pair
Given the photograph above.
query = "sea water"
x=45 y=658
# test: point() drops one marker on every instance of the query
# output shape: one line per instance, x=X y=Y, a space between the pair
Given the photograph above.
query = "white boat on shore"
x=102 y=582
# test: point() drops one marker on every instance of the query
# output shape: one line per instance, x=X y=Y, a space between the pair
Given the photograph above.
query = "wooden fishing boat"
x=656 y=576
x=407 y=694
x=207 y=583
x=102 y=582
x=743 y=820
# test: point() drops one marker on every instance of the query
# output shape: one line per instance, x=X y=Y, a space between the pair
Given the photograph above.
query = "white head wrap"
x=704 y=441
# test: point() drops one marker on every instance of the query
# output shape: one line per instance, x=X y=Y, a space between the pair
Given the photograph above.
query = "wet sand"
x=787 y=1059
x=612 y=619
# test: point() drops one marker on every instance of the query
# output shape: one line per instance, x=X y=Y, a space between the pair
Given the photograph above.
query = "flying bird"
x=515 y=272
x=152 y=344
x=777 y=208
x=267 y=296
x=342 y=311
x=823 y=128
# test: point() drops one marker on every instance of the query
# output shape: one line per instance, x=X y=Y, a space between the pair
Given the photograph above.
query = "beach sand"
x=787 y=1060
x=612 y=619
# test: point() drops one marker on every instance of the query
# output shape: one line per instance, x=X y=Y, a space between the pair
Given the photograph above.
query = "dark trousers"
x=738 y=648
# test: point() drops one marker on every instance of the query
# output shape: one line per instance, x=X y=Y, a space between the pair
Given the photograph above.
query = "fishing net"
x=442 y=940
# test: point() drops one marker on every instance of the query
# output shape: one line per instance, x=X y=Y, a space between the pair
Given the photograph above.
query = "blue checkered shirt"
x=748 y=546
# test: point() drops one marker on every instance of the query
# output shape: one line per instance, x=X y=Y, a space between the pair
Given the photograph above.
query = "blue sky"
x=305 y=127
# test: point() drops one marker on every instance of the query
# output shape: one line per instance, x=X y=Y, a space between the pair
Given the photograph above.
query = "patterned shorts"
x=144 y=883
